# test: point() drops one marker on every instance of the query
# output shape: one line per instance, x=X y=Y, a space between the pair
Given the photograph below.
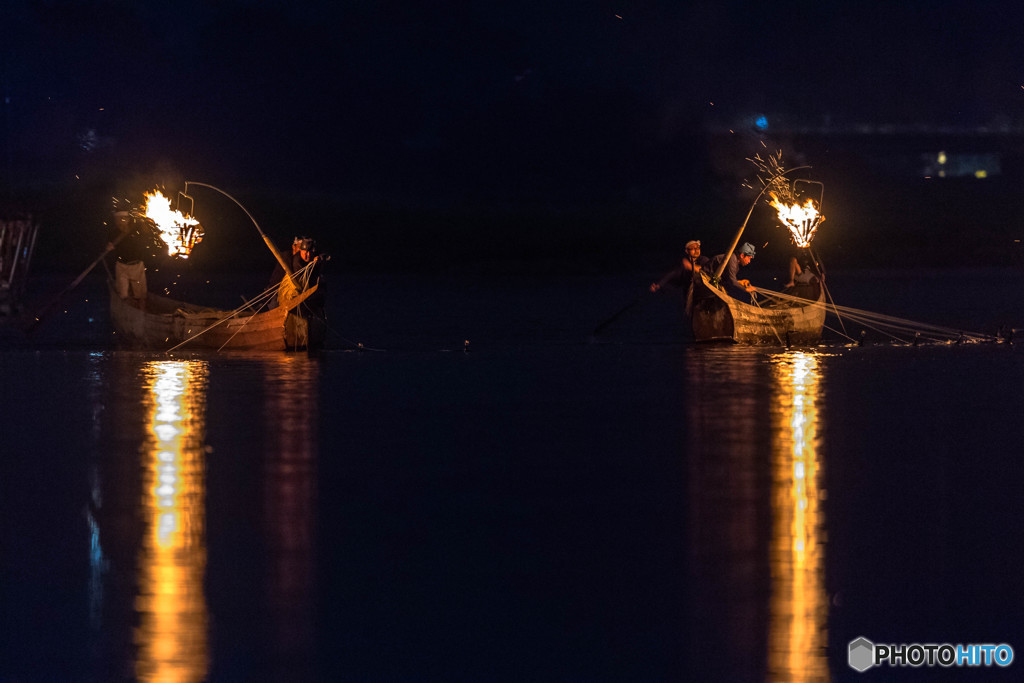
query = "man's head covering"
x=747 y=249
x=692 y=243
x=307 y=244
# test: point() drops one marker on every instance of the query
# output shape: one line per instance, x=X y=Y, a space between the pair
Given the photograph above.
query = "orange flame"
x=181 y=233
x=801 y=221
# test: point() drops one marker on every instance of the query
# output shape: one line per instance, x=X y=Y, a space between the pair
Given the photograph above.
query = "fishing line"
x=753 y=298
x=821 y=279
x=841 y=334
x=265 y=297
x=888 y=325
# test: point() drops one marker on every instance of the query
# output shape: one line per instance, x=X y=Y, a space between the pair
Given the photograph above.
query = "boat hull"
x=717 y=317
x=157 y=322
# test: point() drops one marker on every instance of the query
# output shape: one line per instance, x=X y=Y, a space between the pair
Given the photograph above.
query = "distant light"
x=981 y=173
x=942 y=157
x=761 y=122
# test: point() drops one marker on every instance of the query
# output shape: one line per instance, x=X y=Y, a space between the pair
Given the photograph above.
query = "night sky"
x=489 y=104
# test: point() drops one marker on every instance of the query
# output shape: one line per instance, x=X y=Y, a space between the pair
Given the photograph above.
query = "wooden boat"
x=143 y=319
x=716 y=316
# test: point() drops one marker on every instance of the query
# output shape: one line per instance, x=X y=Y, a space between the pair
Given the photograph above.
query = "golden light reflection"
x=171 y=638
x=799 y=609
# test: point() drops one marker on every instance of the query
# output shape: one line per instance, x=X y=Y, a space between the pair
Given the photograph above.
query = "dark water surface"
x=543 y=507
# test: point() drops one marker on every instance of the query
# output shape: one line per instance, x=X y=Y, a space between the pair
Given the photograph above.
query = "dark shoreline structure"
x=18 y=234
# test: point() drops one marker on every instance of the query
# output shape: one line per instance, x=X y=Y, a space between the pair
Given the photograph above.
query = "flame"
x=801 y=221
x=181 y=233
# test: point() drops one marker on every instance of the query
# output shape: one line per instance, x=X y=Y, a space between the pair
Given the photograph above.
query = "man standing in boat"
x=733 y=285
x=683 y=274
x=306 y=265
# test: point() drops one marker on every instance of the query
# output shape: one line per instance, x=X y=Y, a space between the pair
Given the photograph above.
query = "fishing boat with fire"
x=794 y=316
x=287 y=316
x=797 y=314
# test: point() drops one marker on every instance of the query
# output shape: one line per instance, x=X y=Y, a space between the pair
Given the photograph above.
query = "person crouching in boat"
x=733 y=285
x=691 y=264
x=803 y=268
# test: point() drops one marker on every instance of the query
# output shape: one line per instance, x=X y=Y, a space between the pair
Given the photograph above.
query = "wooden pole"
x=739 y=233
x=270 y=245
x=45 y=310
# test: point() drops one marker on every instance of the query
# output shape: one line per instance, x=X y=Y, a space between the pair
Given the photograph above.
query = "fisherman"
x=304 y=253
x=684 y=273
x=307 y=263
x=734 y=286
x=803 y=268
x=278 y=274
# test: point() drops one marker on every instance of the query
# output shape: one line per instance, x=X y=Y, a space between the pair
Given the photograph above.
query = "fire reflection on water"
x=171 y=639
x=798 y=612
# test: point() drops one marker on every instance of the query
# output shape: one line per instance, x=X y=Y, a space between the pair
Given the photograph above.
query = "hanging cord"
x=828 y=294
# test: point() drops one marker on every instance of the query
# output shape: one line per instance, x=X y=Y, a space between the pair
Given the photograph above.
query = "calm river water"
x=545 y=506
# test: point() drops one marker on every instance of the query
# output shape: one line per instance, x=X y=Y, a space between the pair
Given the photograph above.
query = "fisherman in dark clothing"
x=307 y=263
x=684 y=273
x=734 y=286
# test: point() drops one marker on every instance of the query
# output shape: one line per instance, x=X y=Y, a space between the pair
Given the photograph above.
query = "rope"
x=828 y=294
x=887 y=325
x=753 y=299
x=841 y=334
x=242 y=326
x=265 y=297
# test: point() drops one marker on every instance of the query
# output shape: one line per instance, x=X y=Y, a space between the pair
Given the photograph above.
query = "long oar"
x=619 y=313
x=631 y=305
x=45 y=310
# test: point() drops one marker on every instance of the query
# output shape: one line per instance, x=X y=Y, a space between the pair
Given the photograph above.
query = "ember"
x=180 y=232
x=800 y=216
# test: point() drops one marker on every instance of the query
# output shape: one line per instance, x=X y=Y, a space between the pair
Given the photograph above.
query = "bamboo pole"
x=270 y=245
x=739 y=233
x=44 y=310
